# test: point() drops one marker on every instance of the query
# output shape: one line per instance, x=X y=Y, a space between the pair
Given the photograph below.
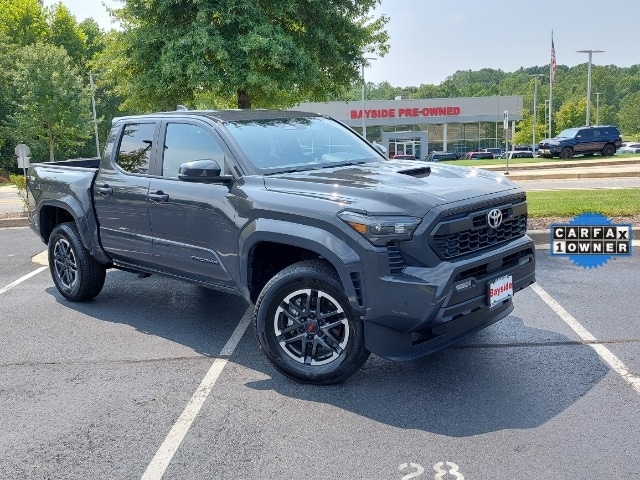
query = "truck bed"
x=76 y=162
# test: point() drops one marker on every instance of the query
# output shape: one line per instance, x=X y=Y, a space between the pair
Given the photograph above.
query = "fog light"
x=464 y=285
x=524 y=260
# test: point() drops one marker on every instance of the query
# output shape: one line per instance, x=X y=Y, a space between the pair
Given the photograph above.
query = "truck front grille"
x=461 y=234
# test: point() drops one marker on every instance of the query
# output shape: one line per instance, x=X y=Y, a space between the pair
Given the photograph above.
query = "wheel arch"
x=272 y=245
x=55 y=212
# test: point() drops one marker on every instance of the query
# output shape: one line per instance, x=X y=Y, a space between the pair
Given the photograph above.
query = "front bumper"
x=423 y=310
x=549 y=151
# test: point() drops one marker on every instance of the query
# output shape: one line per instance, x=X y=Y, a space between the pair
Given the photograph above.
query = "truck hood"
x=407 y=187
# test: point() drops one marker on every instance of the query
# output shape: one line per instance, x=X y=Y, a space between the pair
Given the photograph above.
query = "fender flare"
x=86 y=224
x=340 y=255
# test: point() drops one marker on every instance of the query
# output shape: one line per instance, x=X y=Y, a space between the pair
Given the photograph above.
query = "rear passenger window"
x=586 y=133
x=135 y=147
x=185 y=143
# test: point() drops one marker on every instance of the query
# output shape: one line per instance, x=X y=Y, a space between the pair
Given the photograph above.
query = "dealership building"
x=416 y=127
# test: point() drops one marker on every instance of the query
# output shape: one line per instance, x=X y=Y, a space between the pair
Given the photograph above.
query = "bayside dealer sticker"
x=591 y=240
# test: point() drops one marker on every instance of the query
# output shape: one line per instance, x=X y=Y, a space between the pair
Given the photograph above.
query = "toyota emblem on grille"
x=494 y=218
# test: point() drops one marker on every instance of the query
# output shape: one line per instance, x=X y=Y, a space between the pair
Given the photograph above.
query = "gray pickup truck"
x=342 y=252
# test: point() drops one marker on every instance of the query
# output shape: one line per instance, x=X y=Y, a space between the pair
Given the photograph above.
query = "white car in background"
x=629 y=147
x=517 y=154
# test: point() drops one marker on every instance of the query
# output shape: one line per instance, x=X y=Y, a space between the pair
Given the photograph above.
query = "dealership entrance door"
x=405 y=143
x=403 y=147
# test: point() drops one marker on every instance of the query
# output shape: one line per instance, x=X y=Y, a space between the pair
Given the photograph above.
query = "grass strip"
x=568 y=203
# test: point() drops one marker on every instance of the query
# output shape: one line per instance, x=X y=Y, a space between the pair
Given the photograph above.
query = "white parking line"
x=614 y=362
x=22 y=279
x=160 y=461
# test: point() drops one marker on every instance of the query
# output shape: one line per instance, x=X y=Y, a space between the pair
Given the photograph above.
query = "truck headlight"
x=381 y=229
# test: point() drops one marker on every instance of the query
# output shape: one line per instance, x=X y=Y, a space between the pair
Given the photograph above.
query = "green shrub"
x=21 y=182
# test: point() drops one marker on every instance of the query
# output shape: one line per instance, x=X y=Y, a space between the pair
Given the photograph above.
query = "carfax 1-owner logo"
x=591 y=240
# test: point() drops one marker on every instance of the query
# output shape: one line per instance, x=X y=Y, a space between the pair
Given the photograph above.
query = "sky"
x=431 y=40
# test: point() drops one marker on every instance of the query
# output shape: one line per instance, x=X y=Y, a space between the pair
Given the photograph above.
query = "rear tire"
x=566 y=153
x=306 y=327
x=608 y=150
x=76 y=274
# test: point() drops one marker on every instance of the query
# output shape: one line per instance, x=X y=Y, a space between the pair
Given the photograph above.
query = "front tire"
x=306 y=326
x=566 y=153
x=76 y=274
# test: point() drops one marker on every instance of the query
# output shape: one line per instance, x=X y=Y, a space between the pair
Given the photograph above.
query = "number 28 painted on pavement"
x=415 y=470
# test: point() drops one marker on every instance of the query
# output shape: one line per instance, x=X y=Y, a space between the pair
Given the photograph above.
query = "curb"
x=585 y=163
x=14 y=222
x=539 y=237
x=570 y=175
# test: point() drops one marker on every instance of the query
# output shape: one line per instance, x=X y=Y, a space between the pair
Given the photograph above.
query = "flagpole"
x=551 y=80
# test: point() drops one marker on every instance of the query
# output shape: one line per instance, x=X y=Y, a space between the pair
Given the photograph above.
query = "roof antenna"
x=181 y=108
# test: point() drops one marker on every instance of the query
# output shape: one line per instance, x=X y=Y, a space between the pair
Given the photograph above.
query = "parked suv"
x=603 y=139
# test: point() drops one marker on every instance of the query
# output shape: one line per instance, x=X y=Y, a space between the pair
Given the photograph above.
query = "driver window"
x=184 y=143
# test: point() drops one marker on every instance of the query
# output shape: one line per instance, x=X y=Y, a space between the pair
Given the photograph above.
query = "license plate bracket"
x=499 y=290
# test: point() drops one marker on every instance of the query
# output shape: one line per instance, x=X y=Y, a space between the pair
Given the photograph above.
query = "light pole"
x=95 y=119
x=535 y=106
x=590 y=52
x=364 y=127
x=546 y=112
x=598 y=108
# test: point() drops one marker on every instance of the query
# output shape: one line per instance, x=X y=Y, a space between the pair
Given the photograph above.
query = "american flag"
x=552 y=73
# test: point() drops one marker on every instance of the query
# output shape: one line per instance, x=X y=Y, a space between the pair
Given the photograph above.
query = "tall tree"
x=261 y=52
x=572 y=113
x=52 y=110
x=65 y=32
x=7 y=94
x=630 y=115
x=23 y=21
x=94 y=35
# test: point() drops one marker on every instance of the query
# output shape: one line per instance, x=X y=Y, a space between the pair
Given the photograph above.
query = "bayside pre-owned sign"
x=407 y=112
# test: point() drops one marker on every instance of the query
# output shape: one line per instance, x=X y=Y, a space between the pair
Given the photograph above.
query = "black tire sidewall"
x=90 y=274
x=566 y=153
x=300 y=276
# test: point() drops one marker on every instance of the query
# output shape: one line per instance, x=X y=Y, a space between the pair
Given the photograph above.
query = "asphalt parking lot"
x=160 y=379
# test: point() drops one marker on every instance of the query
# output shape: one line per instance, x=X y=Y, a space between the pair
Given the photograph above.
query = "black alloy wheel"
x=567 y=152
x=76 y=274
x=306 y=326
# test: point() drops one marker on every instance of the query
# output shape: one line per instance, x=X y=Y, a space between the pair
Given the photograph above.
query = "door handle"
x=159 y=197
x=104 y=190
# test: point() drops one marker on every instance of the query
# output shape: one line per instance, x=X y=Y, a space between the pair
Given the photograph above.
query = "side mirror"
x=202 y=171
x=380 y=148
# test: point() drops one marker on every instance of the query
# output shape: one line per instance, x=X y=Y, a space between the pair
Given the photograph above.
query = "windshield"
x=300 y=143
x=568 y=133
